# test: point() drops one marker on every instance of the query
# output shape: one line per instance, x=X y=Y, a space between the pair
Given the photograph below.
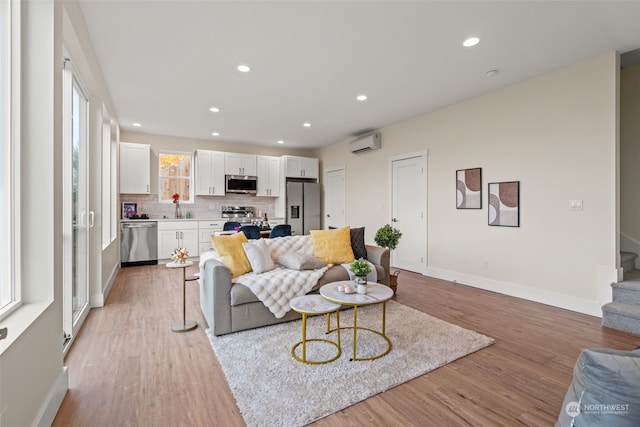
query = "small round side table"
x=185 y=325
x=313 y=305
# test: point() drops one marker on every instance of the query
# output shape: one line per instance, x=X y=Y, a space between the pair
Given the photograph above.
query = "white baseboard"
x=98 y=300
x=54 y=399
x=567 y=302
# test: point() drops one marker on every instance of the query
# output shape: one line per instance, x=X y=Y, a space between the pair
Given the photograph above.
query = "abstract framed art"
x=504 y=204
x=469 y=188
x=129 y=209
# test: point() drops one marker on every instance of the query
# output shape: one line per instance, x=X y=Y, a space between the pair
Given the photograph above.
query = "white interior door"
x=409 y=212
x=334 y=199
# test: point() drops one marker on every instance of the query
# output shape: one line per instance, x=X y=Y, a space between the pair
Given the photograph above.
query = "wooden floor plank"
x=127 y=368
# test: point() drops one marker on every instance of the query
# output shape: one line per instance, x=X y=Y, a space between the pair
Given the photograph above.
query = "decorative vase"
x=178 y=211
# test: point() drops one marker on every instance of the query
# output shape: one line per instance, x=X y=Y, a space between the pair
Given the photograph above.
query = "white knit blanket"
x=276 y=288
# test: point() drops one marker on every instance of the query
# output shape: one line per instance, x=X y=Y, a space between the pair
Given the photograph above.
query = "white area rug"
x=272 y=389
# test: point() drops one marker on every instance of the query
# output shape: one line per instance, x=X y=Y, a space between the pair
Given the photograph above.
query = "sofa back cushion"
x=357 y=243
x=230 y=251
x=332 y=246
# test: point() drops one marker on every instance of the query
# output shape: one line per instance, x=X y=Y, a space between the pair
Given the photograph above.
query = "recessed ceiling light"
x=307 y=124
x=281 y=142
x=361 y=97
x=244 y=68
x=471 y=41
x=136 y=124
x=215 y=134
x=214 y=109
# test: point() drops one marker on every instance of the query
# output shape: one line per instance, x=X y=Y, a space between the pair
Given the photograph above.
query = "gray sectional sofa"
x=231 y=307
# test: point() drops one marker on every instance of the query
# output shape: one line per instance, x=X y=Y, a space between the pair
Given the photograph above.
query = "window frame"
x=190 y=178
x=10 y=98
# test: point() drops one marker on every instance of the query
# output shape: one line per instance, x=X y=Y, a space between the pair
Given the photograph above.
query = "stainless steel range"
x=245 y=215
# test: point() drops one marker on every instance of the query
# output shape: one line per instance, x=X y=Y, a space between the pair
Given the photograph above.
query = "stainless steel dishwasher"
x=138 y=243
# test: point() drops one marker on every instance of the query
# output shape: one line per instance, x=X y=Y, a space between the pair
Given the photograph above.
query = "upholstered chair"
x=280 y=230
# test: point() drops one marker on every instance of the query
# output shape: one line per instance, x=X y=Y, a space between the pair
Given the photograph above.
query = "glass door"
x=78 y=219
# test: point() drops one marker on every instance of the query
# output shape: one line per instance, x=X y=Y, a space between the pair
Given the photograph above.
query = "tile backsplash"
x=205 y=207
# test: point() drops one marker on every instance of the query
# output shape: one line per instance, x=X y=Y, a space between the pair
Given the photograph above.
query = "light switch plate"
x=575 y=205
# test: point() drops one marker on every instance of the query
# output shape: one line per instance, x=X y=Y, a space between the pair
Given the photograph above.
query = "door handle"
x=328 y=216
x=91 y=218
x=394 y=220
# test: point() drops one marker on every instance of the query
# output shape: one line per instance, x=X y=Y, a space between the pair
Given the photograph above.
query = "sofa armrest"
x=380 y=256
x=215 y=296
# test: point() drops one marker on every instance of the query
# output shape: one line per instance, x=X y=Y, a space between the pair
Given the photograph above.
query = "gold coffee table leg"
x=304 y=342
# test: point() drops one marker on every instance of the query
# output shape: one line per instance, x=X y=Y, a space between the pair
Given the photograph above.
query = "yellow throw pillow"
x=229 y=249
x=332 y=246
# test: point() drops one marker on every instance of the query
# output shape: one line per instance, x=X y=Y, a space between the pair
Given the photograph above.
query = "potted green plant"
x=388 y=237
x=360 y=268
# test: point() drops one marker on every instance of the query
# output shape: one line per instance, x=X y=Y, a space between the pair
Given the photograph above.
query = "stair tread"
x=627 y=256
x=631 y=281
x=617 y=307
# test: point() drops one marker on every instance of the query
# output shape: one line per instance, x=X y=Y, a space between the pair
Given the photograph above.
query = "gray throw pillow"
x=605 y=390
x=296 y=261
x=357 y=243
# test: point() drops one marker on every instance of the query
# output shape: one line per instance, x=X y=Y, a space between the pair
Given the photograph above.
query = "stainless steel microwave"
x=241 y=184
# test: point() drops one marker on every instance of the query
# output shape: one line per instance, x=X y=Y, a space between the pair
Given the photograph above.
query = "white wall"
x=630 y=158
x=33 y=380
x=103 y=263
x=557 y=135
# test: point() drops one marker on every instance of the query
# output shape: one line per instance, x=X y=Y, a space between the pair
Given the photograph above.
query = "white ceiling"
x=166 y=62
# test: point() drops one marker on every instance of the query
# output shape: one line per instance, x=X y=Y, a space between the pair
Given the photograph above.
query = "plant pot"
x=393 y=281
x=360 y=280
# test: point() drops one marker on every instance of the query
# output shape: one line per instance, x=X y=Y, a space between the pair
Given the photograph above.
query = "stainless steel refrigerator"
x=303 y=207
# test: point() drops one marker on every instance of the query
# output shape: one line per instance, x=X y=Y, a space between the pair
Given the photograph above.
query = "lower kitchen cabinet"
x=207 y=229
x=177 y=234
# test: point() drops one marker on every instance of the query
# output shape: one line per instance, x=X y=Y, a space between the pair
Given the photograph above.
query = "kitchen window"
x=175 y=176
x=9 y=156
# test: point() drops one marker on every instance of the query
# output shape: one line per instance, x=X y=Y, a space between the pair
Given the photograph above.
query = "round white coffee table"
x=312 y=305
x=376 y=294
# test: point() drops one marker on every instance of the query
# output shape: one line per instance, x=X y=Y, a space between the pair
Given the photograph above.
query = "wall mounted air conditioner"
x=366 y=143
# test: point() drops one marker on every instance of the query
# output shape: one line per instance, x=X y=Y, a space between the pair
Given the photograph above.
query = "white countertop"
x=183 y=219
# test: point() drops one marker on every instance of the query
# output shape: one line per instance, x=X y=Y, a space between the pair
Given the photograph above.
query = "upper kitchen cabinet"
x=300 y=167
x=240 y=164
x=135 y=168
x=210 y=173
x=268 y=176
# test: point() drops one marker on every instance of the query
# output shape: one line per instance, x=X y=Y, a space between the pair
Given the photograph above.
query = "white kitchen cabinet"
x=177 y=234
x=276 y=221
x=268 y=176
x=301 y=167
x=240 y=164
x=135 y=168
x=210 y=173
x=205 y=230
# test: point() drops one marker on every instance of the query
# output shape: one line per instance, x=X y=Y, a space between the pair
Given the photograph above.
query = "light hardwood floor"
x=126 y=367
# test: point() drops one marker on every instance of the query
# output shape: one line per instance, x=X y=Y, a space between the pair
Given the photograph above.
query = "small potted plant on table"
x=388 y=237
x=360 y=269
